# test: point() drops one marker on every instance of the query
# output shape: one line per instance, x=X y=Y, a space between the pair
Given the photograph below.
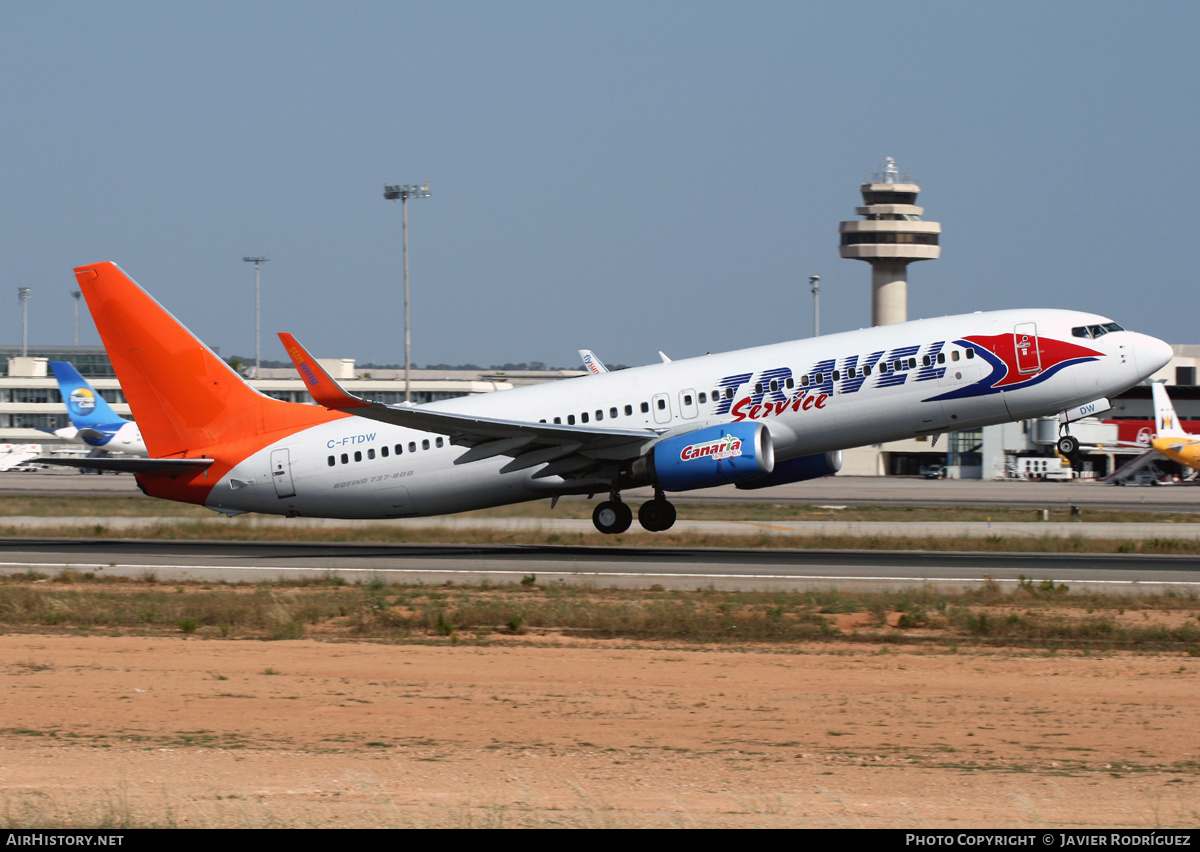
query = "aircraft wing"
x=567 y=448
x=89 y=434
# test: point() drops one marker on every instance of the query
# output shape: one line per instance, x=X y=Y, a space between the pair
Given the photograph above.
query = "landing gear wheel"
x=657 y=515
x=1068 y=445
x=612 y=517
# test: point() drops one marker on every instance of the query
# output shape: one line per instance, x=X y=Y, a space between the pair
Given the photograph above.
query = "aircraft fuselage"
x=813 y=396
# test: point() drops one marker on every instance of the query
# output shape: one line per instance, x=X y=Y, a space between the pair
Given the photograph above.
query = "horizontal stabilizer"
x=133 y=465
x=89 y=435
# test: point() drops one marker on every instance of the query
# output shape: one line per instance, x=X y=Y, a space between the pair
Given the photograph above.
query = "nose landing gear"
x=1068 y=445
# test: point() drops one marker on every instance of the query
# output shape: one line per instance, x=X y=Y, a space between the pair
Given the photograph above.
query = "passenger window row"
x=774 y=385
x=896 y=365
x=384 y=451
x=613 y=413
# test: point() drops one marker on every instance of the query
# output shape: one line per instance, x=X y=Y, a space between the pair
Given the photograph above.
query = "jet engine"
x=797 y=470
x=717 y=455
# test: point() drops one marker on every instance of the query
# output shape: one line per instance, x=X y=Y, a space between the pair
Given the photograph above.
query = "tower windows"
x=858 y=238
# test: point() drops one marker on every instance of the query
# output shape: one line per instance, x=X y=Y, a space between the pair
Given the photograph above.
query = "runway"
x=629 y=567
x=831 y=525
x=634 y=566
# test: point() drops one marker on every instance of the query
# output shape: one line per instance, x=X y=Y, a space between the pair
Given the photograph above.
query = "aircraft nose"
x=1151 y=355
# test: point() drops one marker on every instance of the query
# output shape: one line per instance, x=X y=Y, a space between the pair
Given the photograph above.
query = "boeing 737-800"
x=754 y=418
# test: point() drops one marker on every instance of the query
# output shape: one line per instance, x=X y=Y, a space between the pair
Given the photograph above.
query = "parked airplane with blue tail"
x=92 y=419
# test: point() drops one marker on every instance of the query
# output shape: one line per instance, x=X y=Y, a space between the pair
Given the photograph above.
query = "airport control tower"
x=890 y=236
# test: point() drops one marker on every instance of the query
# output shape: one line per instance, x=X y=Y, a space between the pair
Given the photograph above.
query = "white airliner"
x=755 y=417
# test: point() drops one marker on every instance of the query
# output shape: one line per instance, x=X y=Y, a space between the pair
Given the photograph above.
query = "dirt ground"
x=192 y=732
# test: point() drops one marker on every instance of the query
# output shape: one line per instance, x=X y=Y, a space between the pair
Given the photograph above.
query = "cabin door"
x=661 y=403
x=281 y=473
x=1025 y=341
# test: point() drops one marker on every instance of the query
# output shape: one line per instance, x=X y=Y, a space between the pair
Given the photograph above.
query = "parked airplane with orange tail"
x=753 y=418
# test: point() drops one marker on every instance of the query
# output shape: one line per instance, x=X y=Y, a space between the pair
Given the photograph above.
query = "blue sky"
x=621 y=176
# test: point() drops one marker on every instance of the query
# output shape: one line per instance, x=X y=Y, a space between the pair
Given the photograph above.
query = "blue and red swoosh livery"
x=1001 y=352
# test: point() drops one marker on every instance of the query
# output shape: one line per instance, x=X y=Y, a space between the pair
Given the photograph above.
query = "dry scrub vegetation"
x=1034 y=614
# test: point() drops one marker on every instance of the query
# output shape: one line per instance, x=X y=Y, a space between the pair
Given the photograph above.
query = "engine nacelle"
x=798 y=470
x=718 y=455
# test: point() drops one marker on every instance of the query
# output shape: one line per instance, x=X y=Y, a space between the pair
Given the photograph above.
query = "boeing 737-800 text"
x=754 y=418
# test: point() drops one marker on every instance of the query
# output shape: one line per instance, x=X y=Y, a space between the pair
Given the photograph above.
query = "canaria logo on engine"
x=726 y=447
x=82 y=400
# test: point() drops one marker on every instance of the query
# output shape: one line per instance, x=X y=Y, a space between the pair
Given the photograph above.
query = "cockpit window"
x=1094 y=331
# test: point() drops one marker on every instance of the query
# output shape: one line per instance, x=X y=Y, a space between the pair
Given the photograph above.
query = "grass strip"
x=1032 y=615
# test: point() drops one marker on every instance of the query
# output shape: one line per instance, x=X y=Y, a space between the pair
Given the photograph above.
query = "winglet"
x=592 y=362
x=322 y=386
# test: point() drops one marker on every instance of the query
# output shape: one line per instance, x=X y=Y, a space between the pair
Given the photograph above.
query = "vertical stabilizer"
x=86 y=408
x=186 y=400
x=1166 y=422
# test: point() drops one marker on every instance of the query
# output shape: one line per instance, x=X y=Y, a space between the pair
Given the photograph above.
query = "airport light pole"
x=258 y=262
x=403 y=193
x=815 y=282
x=23 y=298
x=76 y=294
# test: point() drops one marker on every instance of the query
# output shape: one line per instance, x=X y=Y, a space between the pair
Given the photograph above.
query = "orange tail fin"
x=185 y=399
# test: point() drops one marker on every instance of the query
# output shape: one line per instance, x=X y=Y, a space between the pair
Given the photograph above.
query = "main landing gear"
x=657 y=515
x=613 y=516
